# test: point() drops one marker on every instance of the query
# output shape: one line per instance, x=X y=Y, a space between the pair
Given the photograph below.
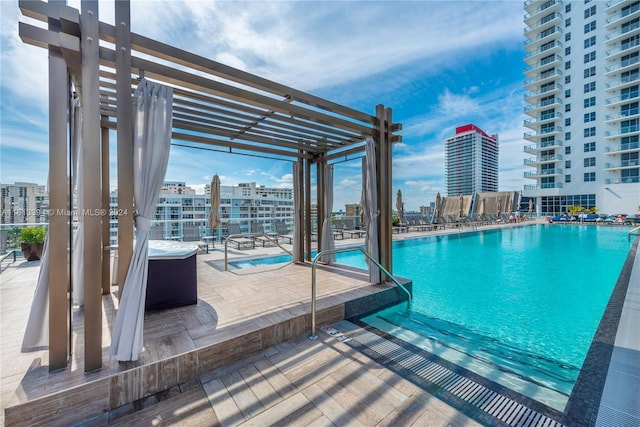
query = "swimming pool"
x=518 y=306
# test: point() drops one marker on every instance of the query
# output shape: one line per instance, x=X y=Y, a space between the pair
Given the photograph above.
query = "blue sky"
x=437 y=64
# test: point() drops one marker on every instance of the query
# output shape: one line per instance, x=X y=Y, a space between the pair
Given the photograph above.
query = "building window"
x=567 y=50
x=589 y=87
x=567 y=108
x=629 y=59
x=590 y=132
x=630 y=42
x=627 y=126
x=567 y=164
x=629 y=76
x=567 y=178
x=588 y=42
x=589 y=102
x=591 y=26
x=567 y=150
x=567 y=80
x=589 y=162
x=567 y=37
x=629 y=26
x=629 y=92
x=589 y=177
x=589 y=146
x=590 y=117
x=590 y=12
x=567 y=8
x=567 y=93
x=591 y=56
x=629 y=109
x=567 y=65
x=567 y=121
x=567 y=136
x=589 y=72
x=567 y=22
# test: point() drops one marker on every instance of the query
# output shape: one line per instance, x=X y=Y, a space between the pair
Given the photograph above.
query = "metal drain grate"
x=493 y=403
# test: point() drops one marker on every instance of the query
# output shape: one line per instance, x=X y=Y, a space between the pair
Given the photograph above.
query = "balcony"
x=626 y=115
x=547 y=118
x=547 y=35
x=615 y=36
x=623 y=16
x=622 y=66
x=613 y=5
x=554 y=47
x=615 y=53
x=543 y=160
x=533 y=110
x=537 y=148
x=620 y=84
x=546 y=7
x=547 y=21
x=619 y=100
x=533 y=69
x=543 y=91
x=542 y=79
x=545 y=186
x=625 y=164
x=533 y=136
x=623 y=149
x=626 y=131
x=543 y=173
x=626 y=180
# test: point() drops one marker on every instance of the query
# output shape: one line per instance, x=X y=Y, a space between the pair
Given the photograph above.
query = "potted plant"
x=32 y=242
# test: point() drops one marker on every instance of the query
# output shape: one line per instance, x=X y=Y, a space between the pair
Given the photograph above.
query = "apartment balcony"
x=542 y=79
x=543 y=160
x=620 y=84
x=547 y=118
x=622 y=16
x=532 y=43
x=627 y=115
x=627 y=131
x=621 y=67
x=543 y=189
x=537 y=148
x=547 y=21
x=552 y=131
x=552 y=48
x=625 y=164
x=617 y=52
x=627 y=180
x=616 y=101
x=613 y=5
x=546 y=8
x=534 y=110
x=531 y=97
x=633 y=147
x=543 y=173
x=533 y=70
x=616 y=36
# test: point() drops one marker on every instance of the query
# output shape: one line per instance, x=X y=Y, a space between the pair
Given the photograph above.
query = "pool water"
x=519 y=306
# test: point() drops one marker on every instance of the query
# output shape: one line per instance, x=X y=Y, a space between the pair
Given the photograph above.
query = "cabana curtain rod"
x=230 y=151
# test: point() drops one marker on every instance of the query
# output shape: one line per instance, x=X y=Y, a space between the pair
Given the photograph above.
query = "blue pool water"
x=518 y=305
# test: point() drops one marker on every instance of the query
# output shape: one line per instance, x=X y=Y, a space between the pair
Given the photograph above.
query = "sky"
x=437 y=64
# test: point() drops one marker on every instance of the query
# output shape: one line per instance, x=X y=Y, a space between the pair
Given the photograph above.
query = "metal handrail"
x=320 y=254
x=226 y=241
x=5 y=256
x=631 y=232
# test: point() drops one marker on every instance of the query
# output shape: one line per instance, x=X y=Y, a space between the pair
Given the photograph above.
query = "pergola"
x=214 y=105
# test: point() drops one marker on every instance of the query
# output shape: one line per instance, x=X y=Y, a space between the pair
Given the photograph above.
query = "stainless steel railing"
x=635 y=231
x=320 y=254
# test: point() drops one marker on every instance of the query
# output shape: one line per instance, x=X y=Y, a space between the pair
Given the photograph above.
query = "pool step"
x=486 y=401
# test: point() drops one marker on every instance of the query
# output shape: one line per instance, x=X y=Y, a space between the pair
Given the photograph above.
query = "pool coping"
x=584 y=402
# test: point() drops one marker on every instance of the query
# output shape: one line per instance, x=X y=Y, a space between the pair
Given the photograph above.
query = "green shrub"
x=32 y=234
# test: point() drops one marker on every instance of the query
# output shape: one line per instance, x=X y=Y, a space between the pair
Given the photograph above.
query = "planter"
x=31 y=251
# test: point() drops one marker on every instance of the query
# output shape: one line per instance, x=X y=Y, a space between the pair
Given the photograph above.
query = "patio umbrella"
x=498 y=207
x=483 y=206
x=530 y=206
x=461 y=207
x=214 y=214
x=509 y=203
x=436 y=216
x=399 y=206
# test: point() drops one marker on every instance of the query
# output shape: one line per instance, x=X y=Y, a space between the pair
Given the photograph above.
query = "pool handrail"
x=637 y=230
x=319 y=255
x=231 y=236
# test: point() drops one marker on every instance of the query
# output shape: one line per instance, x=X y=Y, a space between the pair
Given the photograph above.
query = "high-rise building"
x=471 y=161
x=583 y=86
x=23 y=203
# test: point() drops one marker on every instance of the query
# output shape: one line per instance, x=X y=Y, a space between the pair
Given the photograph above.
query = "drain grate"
x=497 y=405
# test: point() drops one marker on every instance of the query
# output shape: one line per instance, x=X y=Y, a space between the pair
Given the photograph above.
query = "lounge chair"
x=283 y=232
x=233 y=229
x=351 y=230
x=258 y=230
x=191 y=233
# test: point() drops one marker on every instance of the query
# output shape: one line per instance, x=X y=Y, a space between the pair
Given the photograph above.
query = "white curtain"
x=369 y=189
x=152 y=139
x=297 y=206
x=327 y=234
x=36 y=335
x=77 y=265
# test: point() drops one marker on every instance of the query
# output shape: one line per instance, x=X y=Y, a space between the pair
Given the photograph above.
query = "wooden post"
x=384 y=177
x=106 y=223
x=91 y=186
x=60 y=217
x=124 y=114
x=320 y=200
x=307 y=208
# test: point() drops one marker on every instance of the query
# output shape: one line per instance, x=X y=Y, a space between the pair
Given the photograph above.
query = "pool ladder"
x=320 y=254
